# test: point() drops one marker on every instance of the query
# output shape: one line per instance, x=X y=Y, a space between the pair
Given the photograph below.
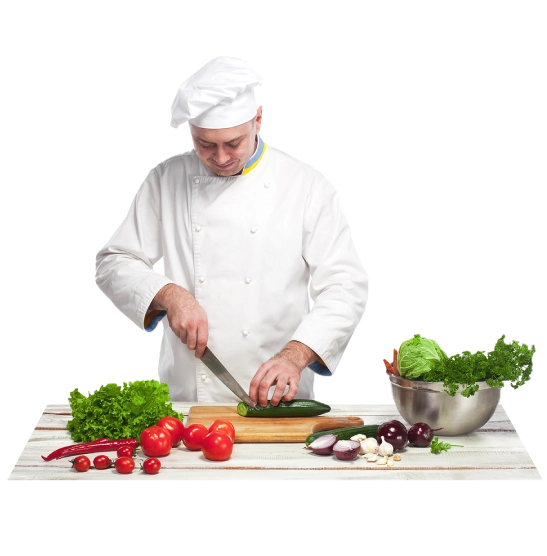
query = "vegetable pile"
x=422 y=359
x=115 y=412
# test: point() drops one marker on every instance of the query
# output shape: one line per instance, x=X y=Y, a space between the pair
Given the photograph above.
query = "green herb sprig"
x=437 y=447
x=115 y=412
x=506 y=363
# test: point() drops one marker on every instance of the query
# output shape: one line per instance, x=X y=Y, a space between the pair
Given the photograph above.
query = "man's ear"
x=258 y=118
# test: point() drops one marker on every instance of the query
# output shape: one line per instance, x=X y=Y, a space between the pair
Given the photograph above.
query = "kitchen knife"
x=222 y=373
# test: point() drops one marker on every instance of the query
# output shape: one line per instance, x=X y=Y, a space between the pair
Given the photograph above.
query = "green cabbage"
x=417 y=356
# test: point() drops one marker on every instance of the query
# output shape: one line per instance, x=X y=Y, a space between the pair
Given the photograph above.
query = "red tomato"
x=81 y=463
x=151 y=466
x=156 y=441
x=217 y=446
x=174 y=426
x=223 y=426
x=102 y=462
x=192 y=436
x=126 y=451
x=124 y=465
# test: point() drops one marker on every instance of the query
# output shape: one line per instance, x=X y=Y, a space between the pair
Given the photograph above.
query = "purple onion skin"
x=393 y=432
x=420 y=435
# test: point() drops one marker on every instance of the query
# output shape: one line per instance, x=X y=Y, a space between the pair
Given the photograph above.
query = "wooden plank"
x=392 y=474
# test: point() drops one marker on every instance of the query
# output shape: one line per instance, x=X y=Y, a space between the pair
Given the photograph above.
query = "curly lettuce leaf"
x=115 y=412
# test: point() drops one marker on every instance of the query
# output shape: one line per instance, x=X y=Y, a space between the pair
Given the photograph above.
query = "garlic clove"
x=397 y=457
x=390 y=462
x=358 y=437
x=381 y=462
x=371 y=457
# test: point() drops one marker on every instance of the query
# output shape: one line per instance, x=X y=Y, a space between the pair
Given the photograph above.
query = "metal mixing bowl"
x=427 y=402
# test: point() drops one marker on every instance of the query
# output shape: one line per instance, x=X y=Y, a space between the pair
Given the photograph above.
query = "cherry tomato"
x=102 y=462
x=192 y=436
x=174 y=426
x=81 y=463
x=156 y=441
x=223 y=426
x=151 y=466
x=124 y=465
x=217 y=446
x=125 y=451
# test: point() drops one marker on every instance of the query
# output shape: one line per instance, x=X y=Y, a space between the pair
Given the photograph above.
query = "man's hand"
x=283 y=369
x=186 y=316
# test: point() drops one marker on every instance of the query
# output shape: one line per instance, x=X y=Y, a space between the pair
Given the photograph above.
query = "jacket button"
x=248 y=280
x=203 y=378
x=266 y=185
x=245 y=332
x=198 y=228
x=254 y=230
x=196 y=180
x=202 y=279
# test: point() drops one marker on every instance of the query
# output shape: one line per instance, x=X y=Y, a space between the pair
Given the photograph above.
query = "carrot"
x=389 y=368
x=395 y=364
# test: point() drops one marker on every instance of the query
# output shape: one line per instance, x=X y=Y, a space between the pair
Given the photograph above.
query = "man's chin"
x=230 y=170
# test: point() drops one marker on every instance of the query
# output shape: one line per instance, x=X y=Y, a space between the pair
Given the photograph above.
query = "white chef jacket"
x=252 y=249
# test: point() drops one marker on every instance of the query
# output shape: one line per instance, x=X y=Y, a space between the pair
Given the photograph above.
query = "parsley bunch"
x=115 y=412
x=506 y=363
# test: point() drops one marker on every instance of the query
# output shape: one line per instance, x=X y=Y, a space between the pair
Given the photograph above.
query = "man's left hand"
x=284 y=369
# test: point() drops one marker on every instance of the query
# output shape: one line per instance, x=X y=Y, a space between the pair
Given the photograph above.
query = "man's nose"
x=222 y=156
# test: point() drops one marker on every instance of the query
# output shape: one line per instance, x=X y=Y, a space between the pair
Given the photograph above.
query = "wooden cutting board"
x=264 y=429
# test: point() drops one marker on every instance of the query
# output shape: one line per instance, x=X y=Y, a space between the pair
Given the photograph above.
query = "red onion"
x=394 y=432
x=323 y=445
x=346 y=449
x=421 y=435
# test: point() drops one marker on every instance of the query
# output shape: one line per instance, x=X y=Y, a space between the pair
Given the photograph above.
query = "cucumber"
x=346 y=433
x=294 y=408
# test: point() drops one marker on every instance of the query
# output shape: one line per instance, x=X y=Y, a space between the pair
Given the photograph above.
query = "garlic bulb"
x=359 y=438
x=385 y=448
x=369 y=446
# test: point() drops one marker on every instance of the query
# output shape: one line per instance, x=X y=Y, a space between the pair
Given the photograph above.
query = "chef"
x=248 y=235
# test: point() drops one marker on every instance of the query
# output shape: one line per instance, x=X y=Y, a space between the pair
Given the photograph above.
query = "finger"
x=264 y=388
x=257 y=379
x=293 y=389
x=279 y=390
x=192 y=336
x=202 y=338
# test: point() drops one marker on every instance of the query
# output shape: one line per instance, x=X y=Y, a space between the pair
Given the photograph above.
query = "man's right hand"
x=186 y=316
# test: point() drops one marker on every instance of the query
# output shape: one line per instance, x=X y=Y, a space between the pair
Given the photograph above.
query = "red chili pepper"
x=101 y=445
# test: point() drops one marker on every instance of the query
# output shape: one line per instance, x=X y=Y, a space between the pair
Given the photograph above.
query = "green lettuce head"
x=417 y=356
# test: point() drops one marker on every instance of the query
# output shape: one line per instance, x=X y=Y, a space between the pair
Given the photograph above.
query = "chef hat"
x=217 y=96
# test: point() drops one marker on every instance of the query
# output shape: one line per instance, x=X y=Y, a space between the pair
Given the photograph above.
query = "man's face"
x=226 y=151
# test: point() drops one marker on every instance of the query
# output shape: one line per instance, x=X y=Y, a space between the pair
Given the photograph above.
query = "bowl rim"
x=431 y=386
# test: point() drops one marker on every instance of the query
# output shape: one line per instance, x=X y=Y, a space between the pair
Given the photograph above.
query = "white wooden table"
x=493 y=452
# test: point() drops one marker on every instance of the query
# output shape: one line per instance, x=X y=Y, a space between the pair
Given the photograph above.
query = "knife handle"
x=329 y=423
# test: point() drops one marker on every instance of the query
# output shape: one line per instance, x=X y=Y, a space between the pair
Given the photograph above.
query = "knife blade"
x=222 y=373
